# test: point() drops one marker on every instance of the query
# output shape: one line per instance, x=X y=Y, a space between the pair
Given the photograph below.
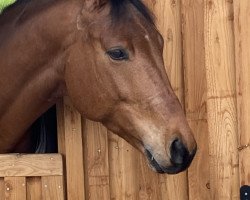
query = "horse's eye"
x=118 y=54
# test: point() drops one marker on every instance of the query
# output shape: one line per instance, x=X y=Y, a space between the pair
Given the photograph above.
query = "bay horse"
x=106 y=55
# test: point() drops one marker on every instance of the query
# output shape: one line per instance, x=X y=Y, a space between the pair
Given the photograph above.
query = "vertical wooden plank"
x=15 y=188
x=2 y=188
x=52 y=188
x=123 y=169
x=174 y=186
x=61 y=139
x=195 y=94
x=70 y=145
x=130 y=176
x=221 y=101
x=149 y=182
x=61 y=127
x=168 y=15
x=97 y=167
x=34 y=188
x=242 y=41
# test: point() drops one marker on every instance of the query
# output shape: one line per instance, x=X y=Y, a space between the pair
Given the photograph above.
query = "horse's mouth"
x=174 y=169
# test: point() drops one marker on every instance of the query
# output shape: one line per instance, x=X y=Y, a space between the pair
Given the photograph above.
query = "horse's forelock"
x=119 y=9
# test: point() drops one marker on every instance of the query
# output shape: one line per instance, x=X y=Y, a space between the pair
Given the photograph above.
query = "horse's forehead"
x=142 y=28
x=132 y=29
x=137 y=28
x=145 y=33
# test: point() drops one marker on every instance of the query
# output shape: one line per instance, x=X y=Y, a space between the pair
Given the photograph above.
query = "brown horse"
x=106 y=55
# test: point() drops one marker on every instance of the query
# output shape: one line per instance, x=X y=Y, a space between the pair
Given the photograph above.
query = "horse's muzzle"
x=180 y=158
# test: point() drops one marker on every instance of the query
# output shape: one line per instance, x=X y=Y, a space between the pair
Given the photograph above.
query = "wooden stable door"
x=31 y=177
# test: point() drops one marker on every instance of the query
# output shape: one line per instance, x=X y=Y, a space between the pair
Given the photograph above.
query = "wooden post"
x=195 y=94
x=242 y=53
x=71 y=147
x=96 y=161
x=221 y=99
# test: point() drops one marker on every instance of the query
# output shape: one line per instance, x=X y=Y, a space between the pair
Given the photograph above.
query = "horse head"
x=115 y=75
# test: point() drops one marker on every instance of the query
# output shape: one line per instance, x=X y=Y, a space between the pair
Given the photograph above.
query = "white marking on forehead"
x=79 y=23
x=147 y=37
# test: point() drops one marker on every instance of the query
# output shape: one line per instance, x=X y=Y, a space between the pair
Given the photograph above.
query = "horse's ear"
x=92 y=5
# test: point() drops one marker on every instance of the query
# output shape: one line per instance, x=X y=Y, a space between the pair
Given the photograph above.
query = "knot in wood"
x=243 y=147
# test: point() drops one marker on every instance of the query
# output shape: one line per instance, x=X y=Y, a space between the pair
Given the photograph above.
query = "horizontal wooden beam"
x=27 y=165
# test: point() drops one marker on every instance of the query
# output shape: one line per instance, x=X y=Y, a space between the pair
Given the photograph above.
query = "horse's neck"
x=31 y=64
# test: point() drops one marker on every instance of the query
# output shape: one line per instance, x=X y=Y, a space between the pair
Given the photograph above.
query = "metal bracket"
x=245 y=192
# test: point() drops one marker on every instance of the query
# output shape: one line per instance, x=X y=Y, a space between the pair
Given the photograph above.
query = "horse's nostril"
x=179 y=153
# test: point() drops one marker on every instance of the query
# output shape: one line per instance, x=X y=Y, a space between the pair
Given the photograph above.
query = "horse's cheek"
x=82 y=86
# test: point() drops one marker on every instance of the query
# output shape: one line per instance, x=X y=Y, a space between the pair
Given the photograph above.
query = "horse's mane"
x=118 y=8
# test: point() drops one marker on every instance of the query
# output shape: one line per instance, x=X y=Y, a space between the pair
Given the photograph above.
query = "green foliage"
x=5 y=3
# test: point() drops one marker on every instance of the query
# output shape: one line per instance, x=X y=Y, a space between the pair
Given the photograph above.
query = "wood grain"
x=52 y=188
x=123 y=165
x=61 y=138
x=242 y=53
x=70 y=145
x=149 y=181
x=221 y=99
x=34 y=188
x=96 y=161
x=30 y=165
x=195 y=95
x=15 y=188
x=60 y=116
x=2 y=188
